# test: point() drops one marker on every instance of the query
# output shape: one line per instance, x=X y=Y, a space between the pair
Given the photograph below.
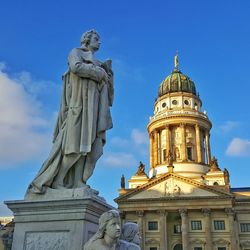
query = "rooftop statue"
x=83 y=119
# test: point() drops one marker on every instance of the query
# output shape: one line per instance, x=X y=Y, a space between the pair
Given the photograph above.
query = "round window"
x=164 y=105
x=174 y=102
x=186 y=102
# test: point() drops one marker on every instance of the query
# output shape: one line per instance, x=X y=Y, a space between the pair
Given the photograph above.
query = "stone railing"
x=177 y=113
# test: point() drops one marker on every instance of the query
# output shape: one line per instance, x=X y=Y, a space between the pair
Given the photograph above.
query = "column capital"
x=206 y=211
x=183 y=212
x=197 y=126
x=182 y=125
x=230 y=211
x=162 y=212
x=140 y=213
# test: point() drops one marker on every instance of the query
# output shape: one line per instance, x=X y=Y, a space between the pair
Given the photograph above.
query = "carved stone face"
x=137 y=239
x=94 y=43
x=113 y=228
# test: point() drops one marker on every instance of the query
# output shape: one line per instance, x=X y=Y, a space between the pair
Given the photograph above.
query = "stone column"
x=208 y=153
x=184 y=228
x=183 y=142
x=163 y=229
x=155 y=148
x=151 y=141
x=141 y=224
x=198 y=143
x=159 y=147
x=168 y=139
x=208 y=235
x=231 y=215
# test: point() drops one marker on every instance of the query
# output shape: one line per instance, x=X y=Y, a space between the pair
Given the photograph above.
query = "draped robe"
x=83 y=119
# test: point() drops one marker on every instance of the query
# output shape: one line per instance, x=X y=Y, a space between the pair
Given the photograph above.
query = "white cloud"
x=228 y=126
x=238 y=147
x=119 y=160
x=23 y=128
x=139 y=137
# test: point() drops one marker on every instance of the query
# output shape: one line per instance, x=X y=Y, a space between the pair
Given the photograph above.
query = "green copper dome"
x=176 y=82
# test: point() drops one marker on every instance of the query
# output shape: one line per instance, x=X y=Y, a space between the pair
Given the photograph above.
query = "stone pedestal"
x=59 y=223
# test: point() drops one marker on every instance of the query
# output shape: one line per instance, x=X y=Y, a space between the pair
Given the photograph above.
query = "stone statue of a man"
x=108 y=233
x=83 y=119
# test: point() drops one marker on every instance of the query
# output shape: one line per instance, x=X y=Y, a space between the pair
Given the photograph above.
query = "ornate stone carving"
x=141 y=169
x=214 y=165
x=47 y=240
x=206 y=211
x=183 y=212
x=131 y=234
x=140 y=213
x=108 y=233
x=171 y=188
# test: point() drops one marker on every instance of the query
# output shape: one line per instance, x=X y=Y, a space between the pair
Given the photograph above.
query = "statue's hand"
x=101 y=74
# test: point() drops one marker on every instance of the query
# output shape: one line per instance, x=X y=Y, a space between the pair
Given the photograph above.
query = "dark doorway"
x=178 y=247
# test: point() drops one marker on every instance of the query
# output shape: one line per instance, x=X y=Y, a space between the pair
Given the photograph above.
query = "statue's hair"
x=129 y=230
x=85 y=39
x=103 y=221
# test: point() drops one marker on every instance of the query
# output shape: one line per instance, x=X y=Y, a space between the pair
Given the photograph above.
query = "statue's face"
x=113 y=228
x=137 y=238
x=94 y=43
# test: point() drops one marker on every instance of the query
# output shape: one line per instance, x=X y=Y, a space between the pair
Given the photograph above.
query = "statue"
x=214 y=165
x=226 y=177
x=130 y=233
x=141 y=169
x=170 y=158
x=108 y=233
x=82 y=122
x=123 y=182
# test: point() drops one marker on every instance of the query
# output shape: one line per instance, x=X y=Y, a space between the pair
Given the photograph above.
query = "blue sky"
x=141 y=37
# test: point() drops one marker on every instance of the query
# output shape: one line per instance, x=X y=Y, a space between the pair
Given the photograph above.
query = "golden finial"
x=176 y=61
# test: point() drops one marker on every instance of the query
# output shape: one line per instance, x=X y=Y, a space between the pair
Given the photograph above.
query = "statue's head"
x=91 y=40
x=110 y=224
x=130 y=233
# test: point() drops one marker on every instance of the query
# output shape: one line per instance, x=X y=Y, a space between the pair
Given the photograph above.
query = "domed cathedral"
x=185 y=201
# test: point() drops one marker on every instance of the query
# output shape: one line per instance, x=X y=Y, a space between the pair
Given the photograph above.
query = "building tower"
x=185 y=202
x=178 y=128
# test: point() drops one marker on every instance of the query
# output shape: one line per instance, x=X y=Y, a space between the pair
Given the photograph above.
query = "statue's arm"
x=83 y=69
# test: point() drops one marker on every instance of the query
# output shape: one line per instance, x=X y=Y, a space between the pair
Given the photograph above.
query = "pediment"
x=173 y=186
